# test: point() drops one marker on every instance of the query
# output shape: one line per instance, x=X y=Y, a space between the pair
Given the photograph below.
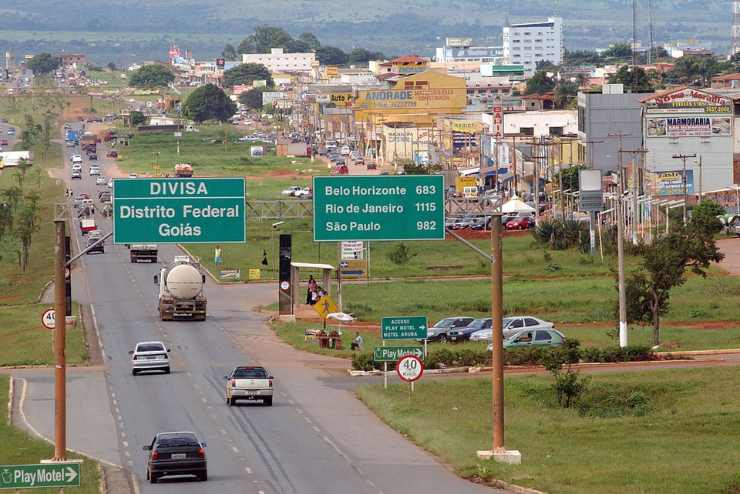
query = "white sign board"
x=410 y=368
x=353 y=250
x=48 y=318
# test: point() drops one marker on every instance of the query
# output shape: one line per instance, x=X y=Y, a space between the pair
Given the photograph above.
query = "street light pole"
x=623 y=330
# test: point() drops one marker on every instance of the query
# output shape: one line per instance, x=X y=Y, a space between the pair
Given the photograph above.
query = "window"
x=531 y=322
x=556 y=131
x=150 y=348
x=517 y=323
x=543 y=336
x=527 y=131
x=525 y=337
x=255 y=373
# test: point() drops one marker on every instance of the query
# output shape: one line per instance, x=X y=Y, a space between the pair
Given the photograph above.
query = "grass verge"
x=21 y=449
x=662 y=446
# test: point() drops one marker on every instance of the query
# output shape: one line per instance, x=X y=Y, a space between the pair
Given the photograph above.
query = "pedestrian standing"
x=217 y=258
x=311 y=289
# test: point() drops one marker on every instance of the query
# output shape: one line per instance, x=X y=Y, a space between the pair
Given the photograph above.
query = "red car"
x=523 y=223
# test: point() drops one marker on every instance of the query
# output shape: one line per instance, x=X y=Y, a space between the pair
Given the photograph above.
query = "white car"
x=76 y=158
x=94 y=170
x=132 y=175
x=303 y=192
x=101 y=180
x=345 y=151
x=150 y=355
x=76 y=167
x=290 y=191
x=512 y=324
x=110 y=183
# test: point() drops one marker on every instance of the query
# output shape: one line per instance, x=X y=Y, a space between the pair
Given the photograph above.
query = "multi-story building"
x=532 y=42
x=279 y=61
x=462 y=50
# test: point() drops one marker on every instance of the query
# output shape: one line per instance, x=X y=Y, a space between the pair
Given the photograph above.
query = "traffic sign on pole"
x=174 y=210
x=410 y=368
x=404 y=328
x=378 y=208
x=48 y=318
x=393 y=353
x=58 y=474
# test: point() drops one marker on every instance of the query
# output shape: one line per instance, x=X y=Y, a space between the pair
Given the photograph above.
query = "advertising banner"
x=692 y=126
x=670 y=183
x=688 y=101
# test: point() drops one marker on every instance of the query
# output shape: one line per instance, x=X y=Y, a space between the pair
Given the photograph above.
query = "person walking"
x=310 y=290
x=217 y=256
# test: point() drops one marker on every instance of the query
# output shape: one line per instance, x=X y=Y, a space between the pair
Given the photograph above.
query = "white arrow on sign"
x=70 y=474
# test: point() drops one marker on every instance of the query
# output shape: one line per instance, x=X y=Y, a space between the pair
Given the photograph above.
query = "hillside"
x=138 y=28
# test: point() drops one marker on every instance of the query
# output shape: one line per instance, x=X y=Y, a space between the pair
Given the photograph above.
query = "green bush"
x=609 y=402
x=401 y=254
x=363 y=361
x=562 y=234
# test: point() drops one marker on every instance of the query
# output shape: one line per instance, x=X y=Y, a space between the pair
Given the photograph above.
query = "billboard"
x=670 y=183
x=688 y=100
x=459 y=42
x=689 y=126
x=427 y=93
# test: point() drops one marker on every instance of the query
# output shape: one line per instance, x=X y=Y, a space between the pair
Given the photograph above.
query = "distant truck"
x=183 y=170
x=71 y=137
x=146 y=252
x=181 y=284
x=89 y=142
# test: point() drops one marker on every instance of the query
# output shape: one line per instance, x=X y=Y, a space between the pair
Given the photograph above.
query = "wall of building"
x=541 y=122
x=277 y=61
x=529 y=43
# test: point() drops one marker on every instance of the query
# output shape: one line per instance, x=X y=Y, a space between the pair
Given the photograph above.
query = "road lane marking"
x=316 y=429
x=125 y=444
x=235 y=450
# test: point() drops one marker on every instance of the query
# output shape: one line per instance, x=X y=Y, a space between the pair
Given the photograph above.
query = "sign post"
x=57 y=474
x=179 y=210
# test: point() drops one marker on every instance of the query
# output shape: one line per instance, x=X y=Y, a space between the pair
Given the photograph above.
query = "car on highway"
x=176 y=453
x=439 y=332
x=101 y=180
x=94 y=170
x=150 y=355
x=110 y=183
x=523 y=223
x=249 y=383
x=512 y=324
x=92 y=157
x=4 y=142
x=463 y=334
x=76 y=158
x=11 y=131
x=111 y=154
x=524 y=338
x=291 y=191
x=76 y=173
x=93 y=237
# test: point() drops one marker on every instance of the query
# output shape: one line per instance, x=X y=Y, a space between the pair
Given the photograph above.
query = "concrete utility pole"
x=684 y=157
x=623 y=330
x=60 y=333
x=636 y=166
x=701 y=178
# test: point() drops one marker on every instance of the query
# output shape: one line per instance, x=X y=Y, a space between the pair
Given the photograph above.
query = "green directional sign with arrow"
x=404 y=328
x=394 y=353
x=38 y=476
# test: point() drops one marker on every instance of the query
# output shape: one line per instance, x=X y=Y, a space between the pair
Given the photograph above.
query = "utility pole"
x=623 y=334
x=60 y=333
x=591 y=215
x=701 y=178
x=636 y=165
x=684 y=157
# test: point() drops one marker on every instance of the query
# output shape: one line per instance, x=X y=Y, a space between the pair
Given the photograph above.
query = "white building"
x=537 y=123
x=279 y=61
x=532 y=42
x=462 y=50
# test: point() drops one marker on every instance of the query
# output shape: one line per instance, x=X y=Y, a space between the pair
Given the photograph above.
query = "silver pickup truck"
x=249 y=383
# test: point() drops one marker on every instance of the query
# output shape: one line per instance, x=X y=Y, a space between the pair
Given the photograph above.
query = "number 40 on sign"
x=410 y=368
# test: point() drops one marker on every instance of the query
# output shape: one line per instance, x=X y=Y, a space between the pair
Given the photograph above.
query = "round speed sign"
x=48 y=318
x=410 y=368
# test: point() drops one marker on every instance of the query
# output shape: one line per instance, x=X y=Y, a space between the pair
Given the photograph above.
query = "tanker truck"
x=181 y=284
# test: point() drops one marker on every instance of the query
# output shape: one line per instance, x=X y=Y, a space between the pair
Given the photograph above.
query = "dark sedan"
x=463 y=334
x=439 y=332
x=176 y=453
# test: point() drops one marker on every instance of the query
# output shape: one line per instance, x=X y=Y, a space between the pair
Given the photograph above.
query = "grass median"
x=19 y=448
x=681 y=437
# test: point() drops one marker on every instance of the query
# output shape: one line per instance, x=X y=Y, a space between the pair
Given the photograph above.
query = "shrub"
x=363 y=361
x=608 y=402
x=401 y=254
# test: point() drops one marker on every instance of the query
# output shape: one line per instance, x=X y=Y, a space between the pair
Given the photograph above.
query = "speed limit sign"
x=410 y=368
x=48 y=318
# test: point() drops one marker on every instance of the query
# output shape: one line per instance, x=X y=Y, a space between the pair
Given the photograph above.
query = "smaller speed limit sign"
x=410 y=368
x=48 y=318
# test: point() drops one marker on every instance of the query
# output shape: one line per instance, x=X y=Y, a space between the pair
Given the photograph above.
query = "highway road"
x=316 y=438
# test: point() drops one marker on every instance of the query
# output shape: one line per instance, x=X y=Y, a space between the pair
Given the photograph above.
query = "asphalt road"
x=316 y=438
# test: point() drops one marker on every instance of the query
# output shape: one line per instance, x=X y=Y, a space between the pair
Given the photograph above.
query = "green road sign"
x=38 y=476
x=174 y=210
x=378 y=208
x=394 y=353
x=404 y=328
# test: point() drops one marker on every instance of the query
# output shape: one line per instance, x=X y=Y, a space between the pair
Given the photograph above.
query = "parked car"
x=439 y=332
x=371 y=165
x=303 y=193
x=94 y=170
x=150 y=355
x=101 y=180
x=111 y=154
x=523 y=223
x=345 y=151
x=249 y=383
x=290 y=191
x=511 y=325
x=93 y=237
x=530 y=337
x=463 y=334
x=176 y=453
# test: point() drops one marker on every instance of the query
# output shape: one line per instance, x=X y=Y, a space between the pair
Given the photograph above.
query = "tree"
x=44 y=63
x=152 y=75
x=331 y=55
x=264 y=39
x=619 y=51
x=230 y=53
x=565 y=93
x=359 y=55
x=247 y=73
x=311 y=40
x=26 y=224
x=137 y=118
x=208 y=103
x=252 y=99
x=705 y=215
x=692 y=69
x=540 y=83
x=638 y=82
x=111 y=66
x=663 y=267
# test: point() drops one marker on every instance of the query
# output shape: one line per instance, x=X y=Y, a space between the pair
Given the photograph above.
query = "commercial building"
x=532 y=42
x=689 y=121
x=537 y=123
x=279 y=61
x=605 y=115
x=462 y=50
